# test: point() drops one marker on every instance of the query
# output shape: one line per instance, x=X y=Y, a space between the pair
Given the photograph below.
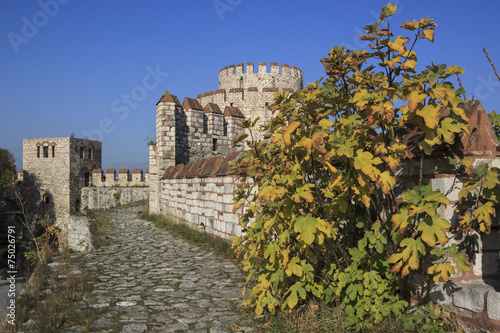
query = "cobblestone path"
x=149 y=281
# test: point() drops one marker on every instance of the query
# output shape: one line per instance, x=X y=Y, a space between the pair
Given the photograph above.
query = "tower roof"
x=168 y=98
x=233 y=111
x=212 y=108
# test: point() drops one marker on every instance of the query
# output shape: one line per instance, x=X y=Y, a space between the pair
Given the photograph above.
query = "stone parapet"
x=97 y=198
x=125 y=179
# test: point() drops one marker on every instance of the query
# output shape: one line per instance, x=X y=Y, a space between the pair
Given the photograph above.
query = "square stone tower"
x=55 y=170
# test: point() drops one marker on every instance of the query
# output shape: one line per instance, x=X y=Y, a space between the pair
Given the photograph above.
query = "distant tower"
x=56 y=169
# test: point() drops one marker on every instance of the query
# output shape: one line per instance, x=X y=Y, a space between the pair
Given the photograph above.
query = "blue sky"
x=67 y=66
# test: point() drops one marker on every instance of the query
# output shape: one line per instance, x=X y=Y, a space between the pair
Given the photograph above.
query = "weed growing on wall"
x=327 y=217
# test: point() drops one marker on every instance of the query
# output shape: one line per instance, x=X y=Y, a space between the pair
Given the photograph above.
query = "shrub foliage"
x=326 y=215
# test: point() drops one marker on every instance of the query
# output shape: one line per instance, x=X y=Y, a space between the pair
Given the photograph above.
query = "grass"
x=199 y=238
x=99 y=226
x=60 y=307
x=320 y=318
x=57 y=308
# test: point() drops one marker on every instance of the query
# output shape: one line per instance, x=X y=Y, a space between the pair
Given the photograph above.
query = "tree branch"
x=491 y=63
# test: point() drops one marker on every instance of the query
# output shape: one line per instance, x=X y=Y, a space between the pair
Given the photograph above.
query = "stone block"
x=470 y=297
x=493 y=305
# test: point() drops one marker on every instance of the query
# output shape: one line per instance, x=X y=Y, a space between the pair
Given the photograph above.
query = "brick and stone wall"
x=110 y=189
x=201 y=195
x=473 y=295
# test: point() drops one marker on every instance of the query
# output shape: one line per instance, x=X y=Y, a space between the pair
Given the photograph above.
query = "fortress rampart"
x=125 y=178
x=201 y=195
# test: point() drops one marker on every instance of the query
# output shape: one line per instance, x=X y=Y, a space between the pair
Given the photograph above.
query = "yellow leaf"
x=386 y=182
x=306 y=143
x=365 y=162
x=416 y=97
x=287 y=130
x=317 y=142
x=326 y=123
x=391 y=63
x=399 y=44
x=392 y=8
x=331 y=167
x=276 y=137
x=429 y=34
x=433 y=228
x=237 y=206
x=408 y=25
x=442 y=271
x=409 y=64
x=366 y=200
x=430 y=113
x=467 y=162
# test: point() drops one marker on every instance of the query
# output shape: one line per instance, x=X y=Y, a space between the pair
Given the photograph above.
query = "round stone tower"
x=250 y=91
x=232 y=77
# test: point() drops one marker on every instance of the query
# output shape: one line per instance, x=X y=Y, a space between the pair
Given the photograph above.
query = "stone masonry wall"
x=201 y=195
x=79 y=237
x=125 y=178
x=253 y=92
x=97 y=198
x=57 y=168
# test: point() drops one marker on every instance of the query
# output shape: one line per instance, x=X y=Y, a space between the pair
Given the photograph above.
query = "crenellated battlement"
x=136 y=178
x=240 y=76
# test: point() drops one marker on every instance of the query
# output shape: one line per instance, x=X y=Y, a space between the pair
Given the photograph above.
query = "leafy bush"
x=327 y=216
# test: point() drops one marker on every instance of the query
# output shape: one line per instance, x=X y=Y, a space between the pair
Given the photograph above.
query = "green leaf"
x=307 y=228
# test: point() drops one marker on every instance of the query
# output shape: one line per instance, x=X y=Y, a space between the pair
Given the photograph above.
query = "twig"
x=460 y=82
x=491 y=63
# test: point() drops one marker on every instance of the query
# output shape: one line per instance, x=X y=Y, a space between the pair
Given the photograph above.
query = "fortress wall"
x=201 y=195
x=125 y=178
x=97 y=198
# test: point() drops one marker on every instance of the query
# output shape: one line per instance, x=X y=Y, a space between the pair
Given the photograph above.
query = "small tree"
x=7 y=170
x=323 y=219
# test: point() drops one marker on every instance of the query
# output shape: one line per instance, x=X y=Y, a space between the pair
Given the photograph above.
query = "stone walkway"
x=149 y=281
